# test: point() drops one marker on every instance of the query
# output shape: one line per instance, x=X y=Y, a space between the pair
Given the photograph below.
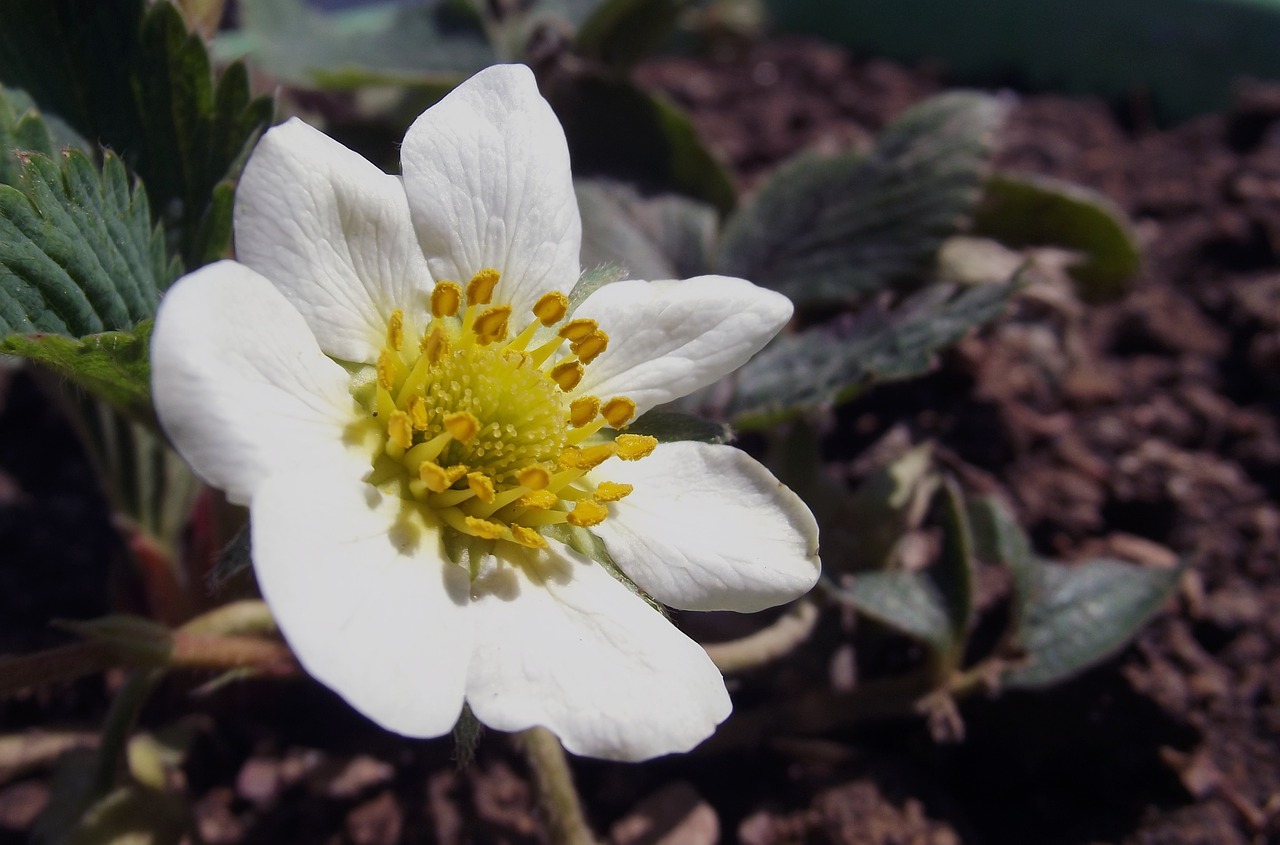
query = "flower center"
x=482 y=429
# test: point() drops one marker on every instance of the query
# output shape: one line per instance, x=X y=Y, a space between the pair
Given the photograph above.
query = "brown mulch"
x=1144 y=428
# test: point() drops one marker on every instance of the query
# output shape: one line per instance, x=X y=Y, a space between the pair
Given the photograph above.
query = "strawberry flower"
x=394 y=380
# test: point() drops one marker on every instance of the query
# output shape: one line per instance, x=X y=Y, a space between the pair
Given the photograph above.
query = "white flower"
x=389 y=379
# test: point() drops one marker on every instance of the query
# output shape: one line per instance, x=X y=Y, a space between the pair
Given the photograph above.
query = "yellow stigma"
x=551 y=308
x=446 y=299
x=618 y=411
x=482 y=428
x=480 y=288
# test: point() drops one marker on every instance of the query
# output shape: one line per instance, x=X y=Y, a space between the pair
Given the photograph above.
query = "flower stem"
x=566 y=825
x=778 y=640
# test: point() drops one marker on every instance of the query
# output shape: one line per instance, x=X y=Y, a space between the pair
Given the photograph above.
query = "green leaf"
x=887 y=503
x=380 y=43
x=826 y=366
x=834 y=229
x=1037 y=210
x=112 y=365
x=618 y=131
x=622 y=32
x=591 y=281
x=907 y=602
x=660 y=237
x=128 y=75
x=672 y=426
x=954 y=571
x=1069 y=617
x=78 y=254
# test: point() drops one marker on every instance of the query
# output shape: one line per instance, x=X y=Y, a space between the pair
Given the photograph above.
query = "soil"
x=1144 y=428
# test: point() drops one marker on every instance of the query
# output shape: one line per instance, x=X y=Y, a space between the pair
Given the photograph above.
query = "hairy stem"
x=769 y=644
x=566 y=825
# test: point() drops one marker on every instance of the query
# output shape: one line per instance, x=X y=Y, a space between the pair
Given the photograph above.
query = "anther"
x=589 y=348
x=418 y=413
x=492 y=324
x=574 y=457
x=435 y=345
x=483 y=528
x=395 y=330
x=482 y=485
x=462 y=425
x=540 y=499
x=446 y=299
x=534 y=477
x=587 y=513
x=386 y=369
x=438 y=478
x=618 y=411
x=480 y=288
x=400 y=429
x=583 y=410
x=611 y=491
x=528 y=537
x=578 y=329
x=633 y=447
x=567 y=374
x=551 y=308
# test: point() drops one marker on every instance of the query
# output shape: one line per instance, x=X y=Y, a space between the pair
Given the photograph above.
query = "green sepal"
x=586 y=542
x=673 y=426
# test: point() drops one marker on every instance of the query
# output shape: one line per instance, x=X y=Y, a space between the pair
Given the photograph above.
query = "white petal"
x=669 y=338
x=364 y=596
x=487 y=174
x=560 y=643
x=333 y=233
x=709 y=528
x=240 y=385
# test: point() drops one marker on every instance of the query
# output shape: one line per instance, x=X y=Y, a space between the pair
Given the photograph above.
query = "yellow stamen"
x=551 y=308
x=480 y=288
x=386 y=369
x=589 y=348
x=400 y=430
x=567 y=374
x=587 y=513
x=583 y=410
x=482 y=485
x=618 y=411
x=633 y=447
x=528 y=537
x=534 y=477
x=483 y=528
x=395 y=330
x=573 y=457
x=438 y=478
x=610 y=491
x=446 y=299
x=578 y=329
x=435 y=345
x=540 y=499
x=418 y=413
x=492 y=324
x=462 y=425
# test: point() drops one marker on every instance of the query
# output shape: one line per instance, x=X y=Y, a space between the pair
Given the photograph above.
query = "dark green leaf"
x=622 y=32
x=1037 y=210
x=618 y=131
x=908 y=602
x=662 y=237
x=953 y=571
x=829 y=365
x=834 y=229
x=885 y=505
x=112 y=365
x=671 y=426
x=1069 y=617
x=128 y=75
x=78 y=254
x=381 y=43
